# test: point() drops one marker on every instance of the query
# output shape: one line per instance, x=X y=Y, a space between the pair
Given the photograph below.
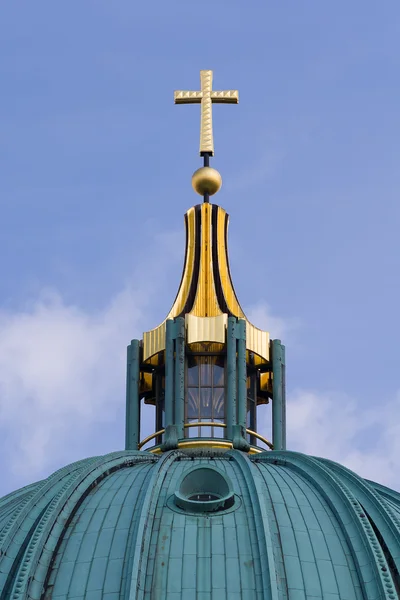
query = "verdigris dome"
x=211 y=510
x=108 y=527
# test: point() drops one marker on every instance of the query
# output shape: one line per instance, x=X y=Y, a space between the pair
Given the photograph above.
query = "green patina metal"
x=231 y=375
x=204 y=490
x=242 y=375
x=132 y=421
x=278 y=396
x=239 y=427
x=376 y=581
x=180 y=376
x=174 y=382
x=103 y=528
x=169 y=373
x=171 y=437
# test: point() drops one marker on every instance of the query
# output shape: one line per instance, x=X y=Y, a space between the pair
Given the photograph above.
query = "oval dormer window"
x=204 y=489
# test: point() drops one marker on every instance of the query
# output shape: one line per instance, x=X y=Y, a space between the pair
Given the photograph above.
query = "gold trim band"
x=204 y=442
x=253 y=449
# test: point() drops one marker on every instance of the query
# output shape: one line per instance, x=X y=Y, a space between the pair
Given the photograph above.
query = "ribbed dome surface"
x=107 y=528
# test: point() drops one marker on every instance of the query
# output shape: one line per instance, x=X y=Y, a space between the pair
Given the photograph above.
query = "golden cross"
x=206 y=97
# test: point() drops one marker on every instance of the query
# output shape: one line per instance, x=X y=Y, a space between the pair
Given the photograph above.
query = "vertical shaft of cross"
x=206 y=130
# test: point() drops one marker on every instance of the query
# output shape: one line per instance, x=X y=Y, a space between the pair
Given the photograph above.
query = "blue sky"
x=96 y=170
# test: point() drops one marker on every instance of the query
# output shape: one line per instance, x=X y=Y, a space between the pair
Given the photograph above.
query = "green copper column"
x=278 y=396
x=132 y=424
x=283 y=362
x=179 y=376
x=230 y=377
x=242 y=374
x=239 y=430
x=169 y=372
x=170 y=437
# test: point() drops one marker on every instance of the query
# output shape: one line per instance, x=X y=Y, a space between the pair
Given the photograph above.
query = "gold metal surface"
x=153 y=341
x=210 y=329
x=207 y=441
x=266 y=382
x=206 y=304
x=204 y=424
x=187 y=275
x=206 y=180
x=253 y=450
x=206 y=97
x=257 y=340
x=226 y=281
x=210 y=347
x=146 y=382
x=150 y=437
x=260 y=437
x=202 y=443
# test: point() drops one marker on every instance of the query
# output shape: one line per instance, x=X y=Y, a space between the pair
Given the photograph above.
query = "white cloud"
x=332 y=425
x=279 y=328
x=61 y=373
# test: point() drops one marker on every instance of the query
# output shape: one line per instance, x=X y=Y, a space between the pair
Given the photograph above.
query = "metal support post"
x=278 y=396
x=132 y=424
x=169 y=372
x=239 y=430
x=179 y=376
x=170 y=438
x=231 y=377
x=242 y=374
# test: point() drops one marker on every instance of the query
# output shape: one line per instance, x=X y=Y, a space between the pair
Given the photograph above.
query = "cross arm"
x=185 y=97
x=227 y=97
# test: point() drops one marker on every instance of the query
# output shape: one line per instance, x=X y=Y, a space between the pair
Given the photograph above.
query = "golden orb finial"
x=206 y=180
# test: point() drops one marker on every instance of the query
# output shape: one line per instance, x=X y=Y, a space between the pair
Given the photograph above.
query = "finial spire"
x=206 y=181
